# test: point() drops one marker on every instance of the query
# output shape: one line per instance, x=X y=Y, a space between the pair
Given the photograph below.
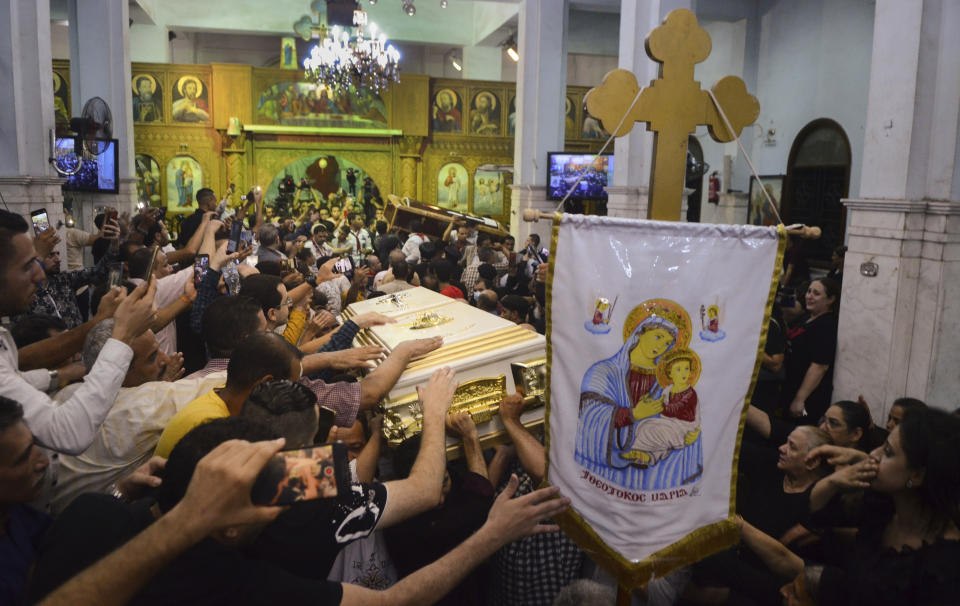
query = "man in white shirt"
x=364 y=244
x=318 y=242
x=129 y=434
x=411 y=248
x=70 y=427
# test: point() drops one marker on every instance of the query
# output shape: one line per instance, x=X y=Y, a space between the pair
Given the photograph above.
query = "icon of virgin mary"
x=620 y=393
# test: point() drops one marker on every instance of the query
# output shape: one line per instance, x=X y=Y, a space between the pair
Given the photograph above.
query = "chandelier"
x=343 y=58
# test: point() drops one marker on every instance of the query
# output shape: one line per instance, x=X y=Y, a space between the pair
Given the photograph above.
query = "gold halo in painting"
x=448 y=91
x=567 y=109
x=661 y=308
x=57 y=82
x=663 y=377
x=490 y=97
x=153 y=83
x=184 y=79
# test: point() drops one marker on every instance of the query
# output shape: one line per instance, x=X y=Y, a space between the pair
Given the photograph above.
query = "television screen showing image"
x=563 y=170
x=97 y=173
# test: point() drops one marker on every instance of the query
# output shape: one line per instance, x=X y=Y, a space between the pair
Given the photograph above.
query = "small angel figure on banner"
x=599 y=324
x=710 y=324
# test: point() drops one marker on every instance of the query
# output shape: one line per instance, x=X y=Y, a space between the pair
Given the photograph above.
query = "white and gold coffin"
x=492 y=357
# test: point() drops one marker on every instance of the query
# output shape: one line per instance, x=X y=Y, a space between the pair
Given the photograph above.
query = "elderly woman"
x=813 y=345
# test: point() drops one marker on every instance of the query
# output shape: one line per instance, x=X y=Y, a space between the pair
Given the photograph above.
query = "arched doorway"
x=818 y=176
x=694 y=180
x=316 y=176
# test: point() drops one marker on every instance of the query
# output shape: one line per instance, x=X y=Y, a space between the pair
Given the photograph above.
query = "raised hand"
x=511 y=407
x=136 y=313
x=437 y=396
x=372 y=318
x=415 y=348
x=45 y=242
x=835 y=455
x=357 y=357
x=173 y=369
x=145 y=477
x=218 y=496
x=511 y=518
x=461 y=424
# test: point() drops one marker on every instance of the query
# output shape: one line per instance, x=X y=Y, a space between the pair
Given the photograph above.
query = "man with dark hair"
x=71 y=426
x=401 y=273
x=206 y=202
x=229 y=321
x=443 y=271
x=286 y=408
x=57 y=294
x=515 y=309
x=36 y=327
x=271 y=248
x=22 y=469
x=261 y=356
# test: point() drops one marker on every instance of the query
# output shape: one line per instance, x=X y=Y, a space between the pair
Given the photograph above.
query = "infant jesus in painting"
x=678 y=425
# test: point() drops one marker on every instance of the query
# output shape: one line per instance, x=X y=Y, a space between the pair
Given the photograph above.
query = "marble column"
x=628 y=196
x=27 y=181
x=541 y=86
x=100 y=67
x=901 y=290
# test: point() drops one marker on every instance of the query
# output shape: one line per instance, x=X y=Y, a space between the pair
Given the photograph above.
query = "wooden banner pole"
x=532 y=215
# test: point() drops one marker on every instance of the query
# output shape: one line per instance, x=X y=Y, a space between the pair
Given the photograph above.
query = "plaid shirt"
x=532 y=571
x=472 y=273
x=58 y=295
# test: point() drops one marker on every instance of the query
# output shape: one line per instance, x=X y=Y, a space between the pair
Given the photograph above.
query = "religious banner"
x=655 y=336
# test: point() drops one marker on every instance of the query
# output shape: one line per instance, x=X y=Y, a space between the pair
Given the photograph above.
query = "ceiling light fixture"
x=409 y=8
x=511 y=48
x=456 y=65
x=344 y=59
x=443 y=3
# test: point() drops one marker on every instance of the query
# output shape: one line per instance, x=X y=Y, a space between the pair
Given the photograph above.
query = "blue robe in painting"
x=604 y=390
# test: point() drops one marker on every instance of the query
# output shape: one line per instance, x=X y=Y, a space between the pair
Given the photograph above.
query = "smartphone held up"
x=316 y=472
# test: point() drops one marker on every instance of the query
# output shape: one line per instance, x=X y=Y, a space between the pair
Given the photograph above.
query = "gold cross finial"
x=672 y=106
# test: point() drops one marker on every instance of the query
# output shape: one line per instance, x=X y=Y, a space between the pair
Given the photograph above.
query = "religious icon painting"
x=147 y=98
x=570 y=118
x=643 y=421
x=184 y=180
x=488 y=193
x=592 y=129
x=512 y=116
x=61 y=98
x=452 y=184
x=148 y=180
x=759 y=211
x=288 y=53
x=191 y=100
x=485 y=114
x=447 y=111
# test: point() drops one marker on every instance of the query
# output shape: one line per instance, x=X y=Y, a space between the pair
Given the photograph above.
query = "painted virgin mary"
x=618 y=394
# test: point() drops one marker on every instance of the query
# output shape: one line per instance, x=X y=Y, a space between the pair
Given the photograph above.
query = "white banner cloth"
x=654 y=330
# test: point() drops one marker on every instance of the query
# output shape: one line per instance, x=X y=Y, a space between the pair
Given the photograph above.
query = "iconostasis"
x=221 y=125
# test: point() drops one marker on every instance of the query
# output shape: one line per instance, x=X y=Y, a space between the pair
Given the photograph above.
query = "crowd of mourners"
x=142 y=395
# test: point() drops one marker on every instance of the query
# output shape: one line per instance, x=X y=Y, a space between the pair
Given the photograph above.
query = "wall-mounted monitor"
x=98 y=172
x=563 y=170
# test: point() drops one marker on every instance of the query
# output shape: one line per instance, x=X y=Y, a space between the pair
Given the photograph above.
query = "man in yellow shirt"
x=261 y=356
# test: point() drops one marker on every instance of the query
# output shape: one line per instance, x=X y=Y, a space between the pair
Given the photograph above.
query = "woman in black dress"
x=813 y=345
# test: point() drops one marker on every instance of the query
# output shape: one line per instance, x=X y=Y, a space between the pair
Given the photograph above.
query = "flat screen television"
x=98 y=173
x=563 y=170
